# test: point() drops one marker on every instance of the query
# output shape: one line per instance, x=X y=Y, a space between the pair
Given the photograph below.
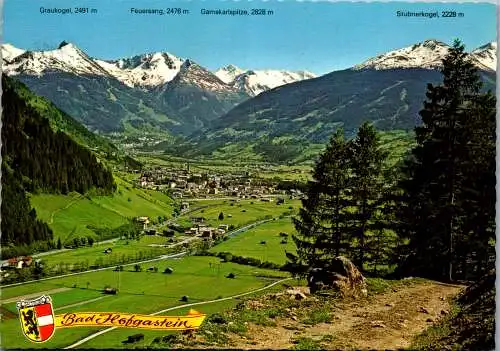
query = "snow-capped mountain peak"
x=9 y=52
x=67 y=58
x=254 y=82
x=191 y=73
x=427 y=54
x=486 y=56
x=146 y=70
x=229 y=73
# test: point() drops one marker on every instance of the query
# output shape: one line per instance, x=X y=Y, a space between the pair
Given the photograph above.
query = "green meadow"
x=239 y=213
x=120 y=249
x=248 y=244
x=200 y=278
x=70 y=215
x=113 y=338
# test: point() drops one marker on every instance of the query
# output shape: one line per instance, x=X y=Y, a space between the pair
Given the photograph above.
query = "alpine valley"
x=161 y=102
x=149 y=185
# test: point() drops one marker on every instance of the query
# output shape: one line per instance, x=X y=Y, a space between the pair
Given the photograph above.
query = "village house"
x=144 y=220
x=224 y=227
x=18 y=262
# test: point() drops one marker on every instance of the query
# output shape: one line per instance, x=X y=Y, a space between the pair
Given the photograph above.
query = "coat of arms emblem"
x=37 y=318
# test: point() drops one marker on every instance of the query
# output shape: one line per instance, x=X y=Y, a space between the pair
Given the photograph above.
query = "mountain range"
x=162 y=95
x=154 y=91
x=387 y=90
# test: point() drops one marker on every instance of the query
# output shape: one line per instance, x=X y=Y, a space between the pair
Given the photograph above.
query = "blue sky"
x=319 y=37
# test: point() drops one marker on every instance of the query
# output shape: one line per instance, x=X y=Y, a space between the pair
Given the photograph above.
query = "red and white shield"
x=37 y=318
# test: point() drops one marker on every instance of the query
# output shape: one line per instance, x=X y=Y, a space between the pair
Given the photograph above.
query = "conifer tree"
x=323 y=221
x=367 y=184
x=443 y=172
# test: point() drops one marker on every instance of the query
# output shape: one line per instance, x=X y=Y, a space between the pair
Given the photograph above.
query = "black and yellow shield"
x=29 y=324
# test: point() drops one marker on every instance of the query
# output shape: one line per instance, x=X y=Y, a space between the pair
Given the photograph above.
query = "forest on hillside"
x=37 y=159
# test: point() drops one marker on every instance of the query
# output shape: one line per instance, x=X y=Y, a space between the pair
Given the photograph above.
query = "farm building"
x=19 y=262
x=144 y=220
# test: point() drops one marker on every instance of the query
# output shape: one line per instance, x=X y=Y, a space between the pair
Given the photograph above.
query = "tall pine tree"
x=342 y=212
x=323 y=224
x=367 y=172
x=438 y=180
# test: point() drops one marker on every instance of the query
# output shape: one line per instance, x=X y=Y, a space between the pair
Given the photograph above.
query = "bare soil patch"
x=388 y=320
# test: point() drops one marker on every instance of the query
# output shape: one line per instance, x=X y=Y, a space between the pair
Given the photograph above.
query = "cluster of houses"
x=183 y=183
x=208 y=232
x=144 y=221
x=198 y=229
x=18 y=262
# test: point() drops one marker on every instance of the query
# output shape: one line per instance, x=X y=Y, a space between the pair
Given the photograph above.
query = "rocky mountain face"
x=198 y=96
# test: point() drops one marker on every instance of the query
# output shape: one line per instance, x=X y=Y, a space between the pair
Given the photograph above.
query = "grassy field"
x=396 y=143
x=239 y=213
x=249 y=244
x=120 y=248
x=88 y=256
x=69 y=215
x=111 y=339
x=64 y=298
x=201 y=278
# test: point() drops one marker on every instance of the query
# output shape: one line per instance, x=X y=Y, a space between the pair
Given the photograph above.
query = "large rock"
x=340 y=275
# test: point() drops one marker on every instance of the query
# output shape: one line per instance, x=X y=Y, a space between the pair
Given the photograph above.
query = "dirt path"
x=386 y=321
x=71 y=203
x=28 y=296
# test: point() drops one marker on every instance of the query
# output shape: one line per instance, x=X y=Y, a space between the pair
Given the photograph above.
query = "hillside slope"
x=387 y=90
x=61 y=121
x=314 y=108
x=75 y=216
x=37 y=158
